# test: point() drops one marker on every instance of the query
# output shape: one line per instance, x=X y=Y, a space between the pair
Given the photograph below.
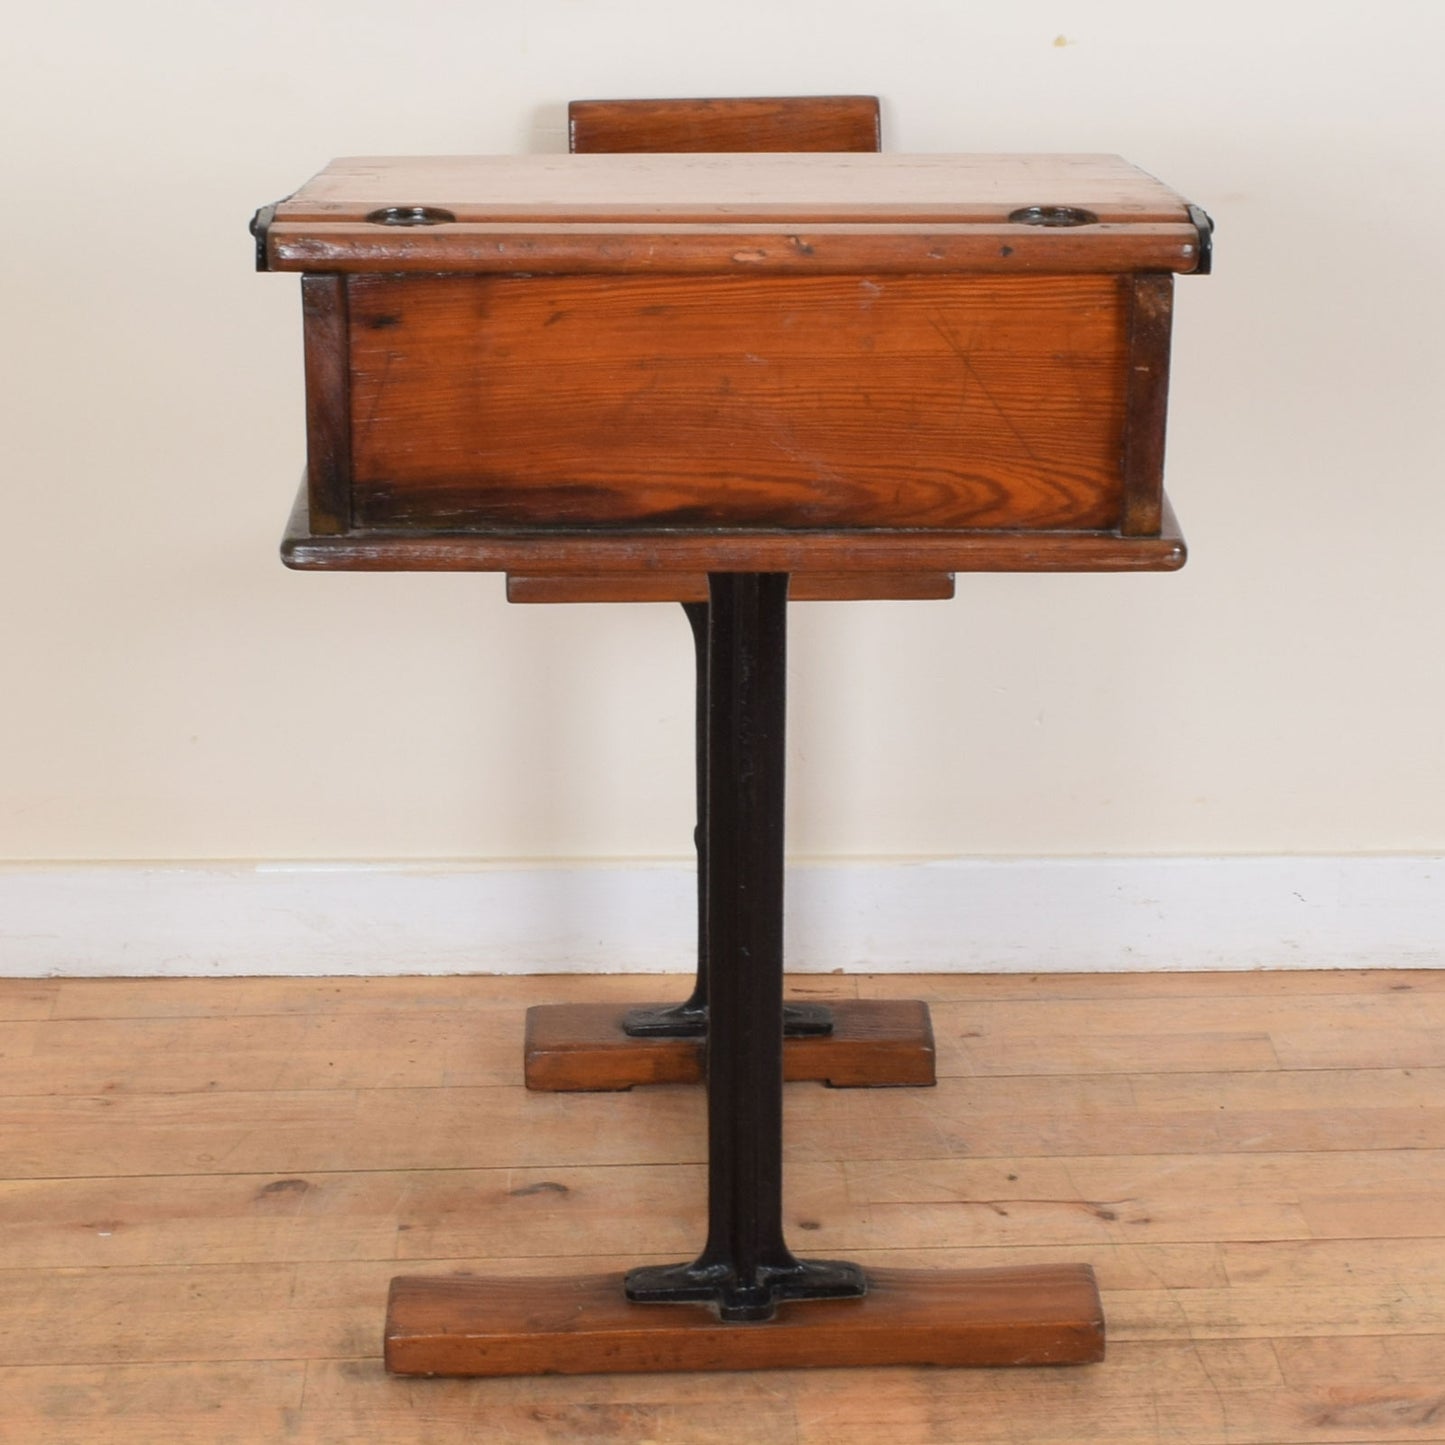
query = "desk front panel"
x=810 y=402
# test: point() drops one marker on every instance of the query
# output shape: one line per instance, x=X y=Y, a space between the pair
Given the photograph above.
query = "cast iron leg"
x=689 y=1019
x=745 y=1267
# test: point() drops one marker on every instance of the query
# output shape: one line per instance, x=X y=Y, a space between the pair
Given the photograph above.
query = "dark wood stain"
x=1150 y=306
x=860 y=552
x=328 y=402
x=278 y=1187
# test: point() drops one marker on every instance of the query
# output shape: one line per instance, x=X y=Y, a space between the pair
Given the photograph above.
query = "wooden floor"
x=205 y=1187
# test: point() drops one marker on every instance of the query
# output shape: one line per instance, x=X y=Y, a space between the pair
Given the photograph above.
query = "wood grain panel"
x=807 y=402
x=752 y=123
x=692 y=587
x=582 y=553
x=1031 y=1315
x=328 y=402
x=797 y=246
x=732 y=213
x=728 y=189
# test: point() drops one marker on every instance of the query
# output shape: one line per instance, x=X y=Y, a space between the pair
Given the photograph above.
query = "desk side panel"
x=1151 y=311
x=769 y=401
x=328 y=401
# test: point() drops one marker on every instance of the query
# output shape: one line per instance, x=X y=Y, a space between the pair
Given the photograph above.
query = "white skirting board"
x=953 y=915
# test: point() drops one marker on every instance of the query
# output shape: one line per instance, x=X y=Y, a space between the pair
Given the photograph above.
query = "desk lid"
x=733 y=213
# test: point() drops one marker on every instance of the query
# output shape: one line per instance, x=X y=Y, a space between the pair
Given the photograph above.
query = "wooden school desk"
x=685 y=364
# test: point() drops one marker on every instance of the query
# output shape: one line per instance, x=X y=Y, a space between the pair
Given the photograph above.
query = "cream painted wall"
x=173 y=693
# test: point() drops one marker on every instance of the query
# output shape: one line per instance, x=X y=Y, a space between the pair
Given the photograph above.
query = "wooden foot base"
x=874 y=1043
x=1033 y=1315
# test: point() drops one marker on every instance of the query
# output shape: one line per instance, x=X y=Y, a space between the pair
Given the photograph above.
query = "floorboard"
x=206 y=1186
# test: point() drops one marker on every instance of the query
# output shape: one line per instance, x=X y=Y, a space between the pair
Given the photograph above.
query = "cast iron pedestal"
x=691 y=1316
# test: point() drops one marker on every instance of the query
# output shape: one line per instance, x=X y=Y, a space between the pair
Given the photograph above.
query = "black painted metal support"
x=745 y=1268
x=689 y=1018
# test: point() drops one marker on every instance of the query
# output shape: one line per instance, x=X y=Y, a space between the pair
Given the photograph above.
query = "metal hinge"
x=260 y=222
x=1204 y=224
